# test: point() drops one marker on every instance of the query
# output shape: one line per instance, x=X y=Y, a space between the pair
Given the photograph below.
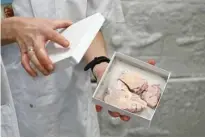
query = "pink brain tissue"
x=132 y=93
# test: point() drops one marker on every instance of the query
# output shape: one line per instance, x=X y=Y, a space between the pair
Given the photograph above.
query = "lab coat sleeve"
x=110 y=9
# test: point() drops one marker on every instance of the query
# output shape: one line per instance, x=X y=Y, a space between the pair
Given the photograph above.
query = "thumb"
x=58 y=24
x=57 y=38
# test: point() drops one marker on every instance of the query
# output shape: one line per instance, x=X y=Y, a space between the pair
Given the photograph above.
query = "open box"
x=117 y=65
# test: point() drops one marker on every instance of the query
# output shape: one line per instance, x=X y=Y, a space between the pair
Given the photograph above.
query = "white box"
x=80 y=35
x=119 y=63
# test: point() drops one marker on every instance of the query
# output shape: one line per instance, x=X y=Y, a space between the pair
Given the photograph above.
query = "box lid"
x=80 y=35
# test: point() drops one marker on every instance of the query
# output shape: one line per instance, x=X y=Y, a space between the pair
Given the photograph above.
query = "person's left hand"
x=98 y=72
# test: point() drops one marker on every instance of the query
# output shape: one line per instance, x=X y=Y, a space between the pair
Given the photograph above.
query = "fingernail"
x=34 y=75
x=50 y=67
x=151 y=61
x=98 y=108
x=67 y=43
x=114 y=114
x=124 y=118
x=46 y=73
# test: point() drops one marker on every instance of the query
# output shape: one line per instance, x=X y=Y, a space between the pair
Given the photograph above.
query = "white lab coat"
x=9 y=125
x=60 y=104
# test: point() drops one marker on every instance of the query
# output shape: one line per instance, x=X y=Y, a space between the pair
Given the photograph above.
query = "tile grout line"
x=186 y=79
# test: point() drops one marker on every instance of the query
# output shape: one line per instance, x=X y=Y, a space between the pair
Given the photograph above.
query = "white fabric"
x=60 y=104
x=9 y=124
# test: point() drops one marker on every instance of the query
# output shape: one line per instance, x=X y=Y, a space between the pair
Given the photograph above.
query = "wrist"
x=9 y=28
x=98 y=65
x=99 y=69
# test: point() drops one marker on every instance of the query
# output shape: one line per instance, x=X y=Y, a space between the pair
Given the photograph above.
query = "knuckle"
x=52 y=35
x=55 y=22
x=33 y=28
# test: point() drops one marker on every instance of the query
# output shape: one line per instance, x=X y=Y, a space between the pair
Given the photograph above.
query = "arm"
x=6 y=29
x=97 y=49
x=6 y=42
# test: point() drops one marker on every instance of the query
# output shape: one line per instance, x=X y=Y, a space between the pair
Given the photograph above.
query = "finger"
x=114 y=114
x=25 y=59
x=42 y=56
x=25 y=63
x=56 y=37
x=58 y=24
x=22 y=46
x=35 y=61
x=98 y=108
x=151 y=61
x=124 y=118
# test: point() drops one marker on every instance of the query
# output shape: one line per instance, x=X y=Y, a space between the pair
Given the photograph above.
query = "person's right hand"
x=31 y=34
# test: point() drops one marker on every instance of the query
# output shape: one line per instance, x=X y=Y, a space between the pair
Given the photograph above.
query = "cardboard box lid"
x=80 y=36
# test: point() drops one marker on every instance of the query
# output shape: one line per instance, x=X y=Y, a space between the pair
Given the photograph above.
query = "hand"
x=98 y=72
x=31 y=34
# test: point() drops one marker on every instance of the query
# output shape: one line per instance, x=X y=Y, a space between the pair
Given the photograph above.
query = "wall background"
x=173 y=33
